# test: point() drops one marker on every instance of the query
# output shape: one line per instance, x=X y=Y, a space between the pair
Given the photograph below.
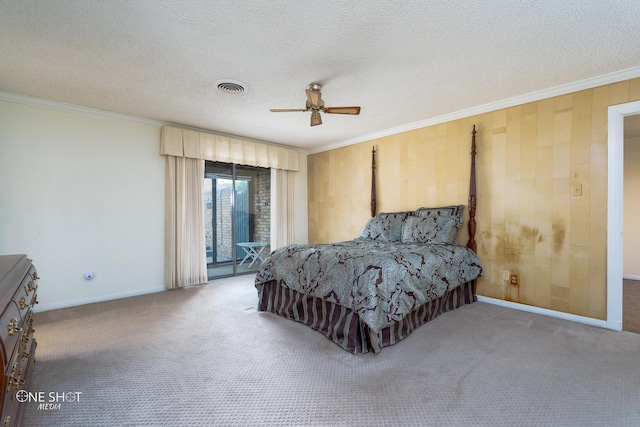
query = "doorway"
x=631 y=257
x=615 y=217
x=237 y=208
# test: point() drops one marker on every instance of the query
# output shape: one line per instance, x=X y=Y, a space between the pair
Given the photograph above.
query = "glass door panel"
x=218 y=218
x=237 y=218
x=253 y=216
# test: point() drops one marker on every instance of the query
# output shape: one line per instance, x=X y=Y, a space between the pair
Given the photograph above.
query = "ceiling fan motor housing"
x=315 y=104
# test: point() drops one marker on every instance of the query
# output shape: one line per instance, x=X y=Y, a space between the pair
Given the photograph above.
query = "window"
x=237 y=217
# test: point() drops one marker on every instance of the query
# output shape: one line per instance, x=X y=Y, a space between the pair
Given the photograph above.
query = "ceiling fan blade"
x=342 y=110
x=314 y=97
x=315 y=118
x=286 y=110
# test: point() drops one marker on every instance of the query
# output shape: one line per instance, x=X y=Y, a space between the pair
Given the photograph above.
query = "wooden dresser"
x=18 y=285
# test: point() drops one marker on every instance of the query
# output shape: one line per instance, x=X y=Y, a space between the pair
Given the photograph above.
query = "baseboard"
x=630 y=277
x=545 y=312
x=100 y=298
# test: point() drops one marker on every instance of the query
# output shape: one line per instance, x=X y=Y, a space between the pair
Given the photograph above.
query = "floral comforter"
x=381 y=282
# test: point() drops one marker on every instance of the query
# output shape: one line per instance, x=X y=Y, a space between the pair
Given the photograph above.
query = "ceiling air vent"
x=233 y=87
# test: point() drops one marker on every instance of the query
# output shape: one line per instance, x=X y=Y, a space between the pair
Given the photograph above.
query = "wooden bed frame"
x=471 y=244
x=342 y=325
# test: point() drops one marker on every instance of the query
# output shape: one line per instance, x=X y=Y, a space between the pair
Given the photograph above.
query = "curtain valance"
x=218 y=148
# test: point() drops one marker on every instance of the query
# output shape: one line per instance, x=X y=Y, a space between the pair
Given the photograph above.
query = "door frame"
x=615 y=216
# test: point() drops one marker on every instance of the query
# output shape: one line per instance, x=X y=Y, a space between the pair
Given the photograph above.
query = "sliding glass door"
x=237 y=218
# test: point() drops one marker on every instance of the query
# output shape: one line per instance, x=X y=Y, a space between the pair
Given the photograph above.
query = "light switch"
x=576 y=189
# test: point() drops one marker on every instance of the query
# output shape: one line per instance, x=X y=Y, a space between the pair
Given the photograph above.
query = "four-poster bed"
x=405 y=269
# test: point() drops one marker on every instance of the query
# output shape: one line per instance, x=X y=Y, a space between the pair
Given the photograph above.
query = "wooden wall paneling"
x=598 y=209
x=634 y=89
x=579 y=288
x=360 y=206
x=441 y=154
x=498 y=203
x=430 y=182
x=405 y=169
x=529 y=157
x=512 y=235
x=618 y=92
x=560 y=221
x=484 y=231
x=527 y=188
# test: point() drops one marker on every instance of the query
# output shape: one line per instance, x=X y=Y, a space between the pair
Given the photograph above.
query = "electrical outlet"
x=513 y=279
x=505 y=275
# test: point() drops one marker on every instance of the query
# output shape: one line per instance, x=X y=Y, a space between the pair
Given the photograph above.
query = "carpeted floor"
x=205 y=357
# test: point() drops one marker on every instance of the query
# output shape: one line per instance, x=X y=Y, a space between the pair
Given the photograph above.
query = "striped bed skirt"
x=343 y=326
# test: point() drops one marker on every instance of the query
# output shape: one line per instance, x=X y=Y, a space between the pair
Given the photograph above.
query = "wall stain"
x=528 y=232
x=559 y=234
x=485 y=236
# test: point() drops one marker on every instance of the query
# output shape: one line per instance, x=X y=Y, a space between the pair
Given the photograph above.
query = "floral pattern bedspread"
x=381 y=281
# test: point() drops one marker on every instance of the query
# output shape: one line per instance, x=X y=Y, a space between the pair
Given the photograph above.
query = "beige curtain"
x=185 y=253
x=281 y=208
x=185 y=151
x=219 y=148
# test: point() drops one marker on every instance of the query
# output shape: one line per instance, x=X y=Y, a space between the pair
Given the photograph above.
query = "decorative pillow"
x=431 y=229
x=373 y=230
x=394 y=222
x=386 y=227
x=441 y=211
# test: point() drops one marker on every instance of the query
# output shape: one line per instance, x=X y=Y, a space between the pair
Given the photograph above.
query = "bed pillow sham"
x=386 y=227
x=454 y=210
x=431 y=229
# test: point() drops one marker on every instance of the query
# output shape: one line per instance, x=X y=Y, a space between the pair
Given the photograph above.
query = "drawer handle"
x=30 y=329
x=10 y=377
x=35 y=275
x=30 y=287
x=13 y=327
x=23 y=303
x=14 y=382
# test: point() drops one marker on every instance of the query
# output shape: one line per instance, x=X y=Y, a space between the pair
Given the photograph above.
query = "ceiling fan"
x=315 y=104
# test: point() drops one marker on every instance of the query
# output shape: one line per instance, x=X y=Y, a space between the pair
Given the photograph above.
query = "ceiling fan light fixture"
x=233 y=87
x=314 y=98
x=315 y=104
x=315 y=118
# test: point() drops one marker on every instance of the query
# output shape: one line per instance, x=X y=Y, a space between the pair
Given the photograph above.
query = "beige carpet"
x=204 y=357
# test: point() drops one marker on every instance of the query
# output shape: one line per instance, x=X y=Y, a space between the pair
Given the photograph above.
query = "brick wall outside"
x=259 y=215
x=263 y=208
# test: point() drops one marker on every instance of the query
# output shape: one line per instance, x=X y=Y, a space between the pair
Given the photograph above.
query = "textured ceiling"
x=401 y=61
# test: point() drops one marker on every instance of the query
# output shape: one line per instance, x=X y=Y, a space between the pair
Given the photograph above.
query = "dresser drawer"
x=25 y=296
x=10 y=329
x=18 y=287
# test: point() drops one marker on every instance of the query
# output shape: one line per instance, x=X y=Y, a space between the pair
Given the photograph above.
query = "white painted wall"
x=82 y=193
x=631 y=265
x=85 y=192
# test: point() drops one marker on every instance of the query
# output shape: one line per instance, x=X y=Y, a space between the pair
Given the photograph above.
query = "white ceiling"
x=402 y=61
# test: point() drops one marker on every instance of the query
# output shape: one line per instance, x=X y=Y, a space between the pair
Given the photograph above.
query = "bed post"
x=373 y=182
x=472 y=194
x=472 y=201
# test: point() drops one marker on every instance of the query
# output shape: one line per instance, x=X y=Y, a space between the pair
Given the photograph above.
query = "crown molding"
x=617 y=76
x=79 y=109
x=73 y=108
x=614 y=77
